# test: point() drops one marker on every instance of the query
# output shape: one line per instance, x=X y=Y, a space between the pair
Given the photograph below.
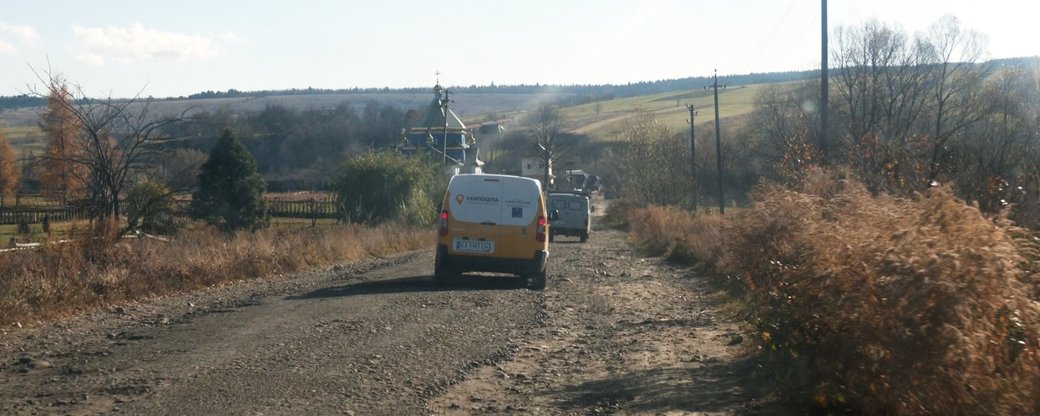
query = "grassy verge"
x=67 y=229
x=59 y=230
x=875 y=305
x=64 y=278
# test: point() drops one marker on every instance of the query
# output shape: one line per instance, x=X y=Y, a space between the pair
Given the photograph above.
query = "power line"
x=801 y=35
x=769 y=37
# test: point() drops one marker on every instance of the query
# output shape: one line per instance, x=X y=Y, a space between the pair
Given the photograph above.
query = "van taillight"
x=444 y=224
x=539 y=234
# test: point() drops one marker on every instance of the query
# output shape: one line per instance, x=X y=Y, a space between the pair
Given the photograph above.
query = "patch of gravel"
x=167 y=309
x=614 y=333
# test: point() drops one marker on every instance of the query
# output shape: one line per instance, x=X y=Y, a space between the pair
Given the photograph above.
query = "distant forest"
x=604 y=90
x=577 y=92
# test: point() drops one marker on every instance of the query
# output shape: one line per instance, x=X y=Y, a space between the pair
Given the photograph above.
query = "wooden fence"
x=302 y=209
x=30 y=201
x=34 y=213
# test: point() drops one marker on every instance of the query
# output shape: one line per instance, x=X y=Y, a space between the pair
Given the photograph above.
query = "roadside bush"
x=680 y=235
x=150 y=208
x=379 y=187
x=92 y=272
x=617 y=213
x=903 y=306
x=877 y=304
x=653 y=167
x=23 y=226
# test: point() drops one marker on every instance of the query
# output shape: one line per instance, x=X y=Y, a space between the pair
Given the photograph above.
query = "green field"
x=59 y=231
x=25 y=139
x=669 y=108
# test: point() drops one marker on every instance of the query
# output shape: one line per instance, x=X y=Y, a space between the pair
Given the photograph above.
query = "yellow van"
x=493 y=223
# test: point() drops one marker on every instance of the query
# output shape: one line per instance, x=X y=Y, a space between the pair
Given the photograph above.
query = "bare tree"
x=996 y=154
x=880 y=82
x=952 y=55
x=653 y=167
x=547 y=121
x=113 y=138
x=881 y=86
x=901 y=101
x=780 y=130
x=177 y=169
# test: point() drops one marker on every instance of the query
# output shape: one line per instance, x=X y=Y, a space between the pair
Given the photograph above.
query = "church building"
x=441 y=134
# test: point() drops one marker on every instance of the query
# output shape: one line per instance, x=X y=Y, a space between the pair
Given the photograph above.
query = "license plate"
x=474 y=246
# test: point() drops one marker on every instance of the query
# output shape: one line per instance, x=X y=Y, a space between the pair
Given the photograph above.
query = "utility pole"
x=548 y=166
x=693 y=153
x=824 y=86
x=444 y=144
x=718 y=147
x=547 y=156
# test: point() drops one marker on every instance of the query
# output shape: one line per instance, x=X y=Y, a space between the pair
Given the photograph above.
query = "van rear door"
x=521 y=206
x=477 y=214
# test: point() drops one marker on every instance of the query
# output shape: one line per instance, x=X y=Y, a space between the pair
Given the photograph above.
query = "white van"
x=493 y=223
x=574 y=215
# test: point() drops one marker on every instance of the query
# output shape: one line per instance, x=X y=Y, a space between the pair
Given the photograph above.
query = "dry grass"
x=877 y=304
x=677 y=234
x=64 y=278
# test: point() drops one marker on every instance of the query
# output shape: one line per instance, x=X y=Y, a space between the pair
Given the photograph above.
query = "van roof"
x=566 y=195
x=511 y=178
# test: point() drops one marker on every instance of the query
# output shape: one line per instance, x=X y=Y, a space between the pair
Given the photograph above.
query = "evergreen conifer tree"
x=230 y=193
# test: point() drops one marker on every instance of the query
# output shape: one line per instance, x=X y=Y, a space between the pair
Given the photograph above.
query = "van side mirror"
x=554 y=215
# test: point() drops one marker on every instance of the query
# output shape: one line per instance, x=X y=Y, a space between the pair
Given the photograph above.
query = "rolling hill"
x=599 y=111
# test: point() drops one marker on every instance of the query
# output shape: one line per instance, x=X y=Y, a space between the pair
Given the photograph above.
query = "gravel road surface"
x=614 y=333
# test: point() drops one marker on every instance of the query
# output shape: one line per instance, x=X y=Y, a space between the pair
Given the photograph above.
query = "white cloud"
x=137 y=43
x=24 y=33
x=92 y=59
x=6 y=47
x=232 y=38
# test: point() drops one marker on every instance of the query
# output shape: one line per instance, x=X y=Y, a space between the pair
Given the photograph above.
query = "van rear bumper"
x=570 y=232
x=459 y=263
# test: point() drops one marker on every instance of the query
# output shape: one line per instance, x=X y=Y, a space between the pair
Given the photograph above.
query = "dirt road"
x=613 y=333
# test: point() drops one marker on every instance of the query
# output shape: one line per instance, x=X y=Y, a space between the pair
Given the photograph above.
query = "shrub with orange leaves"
x=878 y=304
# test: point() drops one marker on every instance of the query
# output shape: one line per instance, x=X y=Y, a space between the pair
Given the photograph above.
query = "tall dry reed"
x=97 y=270
x=877 y=304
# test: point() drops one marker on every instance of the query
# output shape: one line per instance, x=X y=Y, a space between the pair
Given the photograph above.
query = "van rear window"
x=493 y=200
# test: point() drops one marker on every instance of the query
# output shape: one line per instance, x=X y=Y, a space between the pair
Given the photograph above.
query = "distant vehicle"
x=573 y=217
x=578 y=181
x=493 y=223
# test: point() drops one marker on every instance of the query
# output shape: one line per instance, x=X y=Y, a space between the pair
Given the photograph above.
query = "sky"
x=123 y=48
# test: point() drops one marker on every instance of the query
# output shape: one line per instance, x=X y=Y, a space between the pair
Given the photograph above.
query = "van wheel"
x=441 y=274
x=584 y=237
x=441 y=277
x=537 y=281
